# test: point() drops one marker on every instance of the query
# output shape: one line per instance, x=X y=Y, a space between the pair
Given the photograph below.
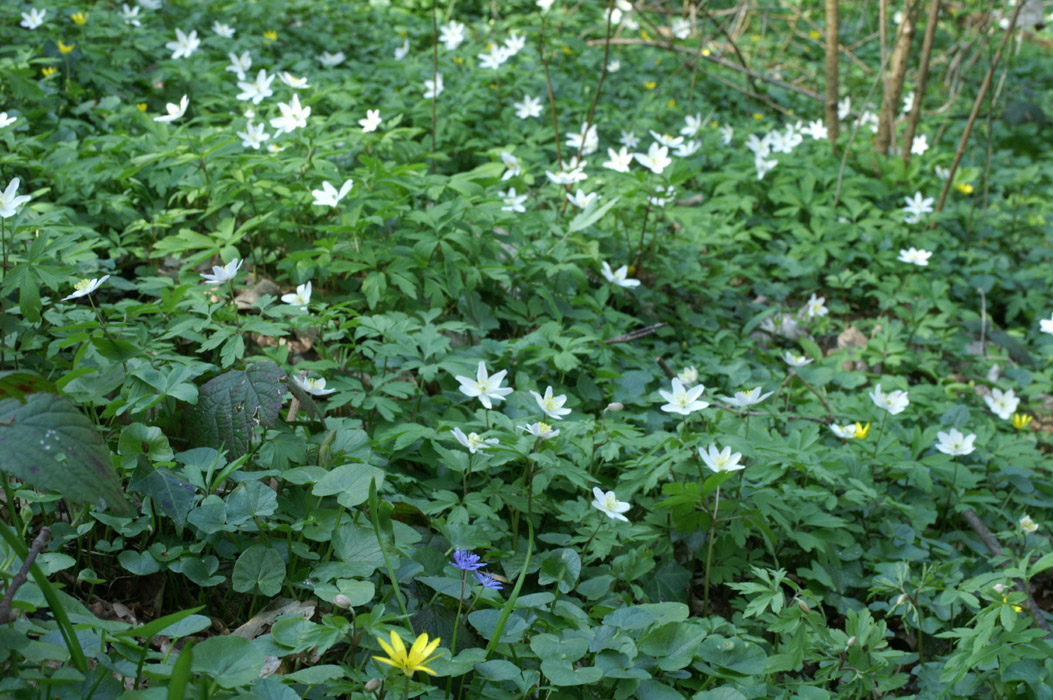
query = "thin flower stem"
x=709 y=552
x=237 y=319
x=593 y=535
x=3 y=299
x=434 y=77
x=881 y=434
x=548 y=85
x=456 y=626
x=954 y=479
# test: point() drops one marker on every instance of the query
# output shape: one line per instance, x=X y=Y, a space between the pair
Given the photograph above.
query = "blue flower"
x=466 y=561
x=488 y=581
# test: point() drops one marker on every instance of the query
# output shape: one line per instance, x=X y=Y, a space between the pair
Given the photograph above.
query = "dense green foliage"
x=198 y=477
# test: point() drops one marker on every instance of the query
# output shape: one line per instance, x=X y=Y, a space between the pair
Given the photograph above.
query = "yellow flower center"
x=141 y=106
x=82 y=285
x=543 y=428
x=650 y=85
x=270 y=34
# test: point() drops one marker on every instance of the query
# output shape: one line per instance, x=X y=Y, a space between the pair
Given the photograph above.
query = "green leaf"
x=590 y=215
x=673 y=644
x=733 y=658
x=232 y=404
x=351 y=482
x=139 y=563
x=259 y=569
x=159 y=625
x=177 y=682
x=174 y=496
x=17 y=383
x=229 y=660
x=562 y=673
x=49 y=444
x=343 y=445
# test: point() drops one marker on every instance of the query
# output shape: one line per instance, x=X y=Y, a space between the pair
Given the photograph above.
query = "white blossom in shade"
x=727 y=132
x=915 y=256
x=485 y=387
x=629 y=139
x=10 y=200
x=331 y=60
x=761 y=147
x=908 y=102
x=919 y=145
x=722 y=460
x=151 y=4
x=86 y=287
x=224 y=30
x=184 y=45
x=1046 y=325
x=571 y=173
x=294 y=116
x=1002 y=404
x=275 y=148
x=587 y=141
x=618 y=160
x=815 y=306
x=529 y=107
x=372 y=120
x=683 y=400
x=301 y=297
x=662 y=195
x=607 y=503
x=552 y=406
x=916 y=208
x=257 y=90
x=6 y=120
x=763 y=165
x=130 y=15
x=941 y=172
x=513 y=202
x=666 y=140
x=433 y=88
x=328 y=195
x=515 y=43
x=954 y=443
x=239 y=65
x=844 y=108
x=681 y=28
x=292 y=81
x=540 y=430
x=779 y=142
x=619 y=277
x=494 y=58
x=1027 y=525
x=688 y=376
x=582 y=200
x=544 y=5
x=816 y=129
x=33 y=18
x=222 y=275
x=894 y=402
x=253 y=136
x=174 y=111
x=512 y=168
x=845 y=432
x=402 y=51
x=315 y=386
x=687 y=148
x=745 y=399
x=869 y=118
x=692 y=125
x=614 y=66
x=451 y=35
x=796 y=360
x=473 y=441
x=656 y=159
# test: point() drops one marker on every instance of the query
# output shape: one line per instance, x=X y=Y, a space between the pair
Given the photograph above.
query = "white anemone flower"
x=328 y=195
x=608 y=504
x=894 y=402
x=722 y=460
x=485 y=387
x=222 y=275
x=86 y=287
x=552 y=406
x=315 y=386
x=954 y=443
x=301 y=297
x=184 y=45
x=174 y=111
x=473 y=441
x=619 y=277
x=1002 y=404
x=683 y=400
x=745 y=399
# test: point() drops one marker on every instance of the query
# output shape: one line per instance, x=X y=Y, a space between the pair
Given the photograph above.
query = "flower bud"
x=999 y=588
x=804 y=607
x=372 y=684
x=341 y=601
x=615 y=407
x=851 y=642
x=903 y=598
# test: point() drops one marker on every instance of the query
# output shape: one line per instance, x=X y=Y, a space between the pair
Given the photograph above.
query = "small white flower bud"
x=341 y=601
x=615 y=407
x=903 y=598
x=372 y=684
x=851 y=642
x=999 y=588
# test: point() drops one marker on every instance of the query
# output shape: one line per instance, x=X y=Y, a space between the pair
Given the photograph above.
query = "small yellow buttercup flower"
x=567 y=50
x=706 y=52
x=490 y=46
x=65 y=49
x=421 y=653
x=671 y=103
x=644 y=35
x=458 y=60
x=80 y=18
x=815 y=34
x=965 y=188
x=270 y=34
x=658 y=61
x=1020 y=420
x=755 y=38
x=49 y=71
x=757 y=116
x=1005 y=601
x=862 y=431
x=141 y=106
x=650 y=85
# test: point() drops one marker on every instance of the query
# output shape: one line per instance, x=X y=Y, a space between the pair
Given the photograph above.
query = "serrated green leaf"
x=232 y=404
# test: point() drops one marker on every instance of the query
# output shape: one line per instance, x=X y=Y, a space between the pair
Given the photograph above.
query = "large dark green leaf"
x=172 y=494
x=232 y=404
x=50 y=445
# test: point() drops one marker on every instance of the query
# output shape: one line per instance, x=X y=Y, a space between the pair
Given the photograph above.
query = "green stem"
x=709 y=552
x=456 y=627
x=881 y=433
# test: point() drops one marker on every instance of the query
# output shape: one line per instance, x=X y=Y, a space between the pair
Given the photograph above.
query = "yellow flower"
x=650 y=85
x=1005 y=601
x=567 y=50
x=458 y=60
x=964 y=189
x=490 y=46
x=671 y=103
x=815 y=34
x=270 y=34
x=706 y=52
x=757 y=116
x=80 y=18
x=64 y=49
x=658 y=61
x=755 y=38
x=862 y=431
x=49 y=71
x=644 y=35
x=422 y=652
x=141 y=106
x=1021 y=420
x=493 y=86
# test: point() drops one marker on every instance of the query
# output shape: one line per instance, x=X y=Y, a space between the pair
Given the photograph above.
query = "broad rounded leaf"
x=50 y=445
x=232 y=404
x=259 y=568
x=230 y=660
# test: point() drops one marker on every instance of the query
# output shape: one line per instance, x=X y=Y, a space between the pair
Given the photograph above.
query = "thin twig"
x=548 y=84
x=983 y=322
x=633 y=335
x=852 y=138
x=923 y=75
x=22 y=575
x=992 y=544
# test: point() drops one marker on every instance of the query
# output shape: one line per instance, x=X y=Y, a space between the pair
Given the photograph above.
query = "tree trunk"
x=832 y=31
x=897 y=73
